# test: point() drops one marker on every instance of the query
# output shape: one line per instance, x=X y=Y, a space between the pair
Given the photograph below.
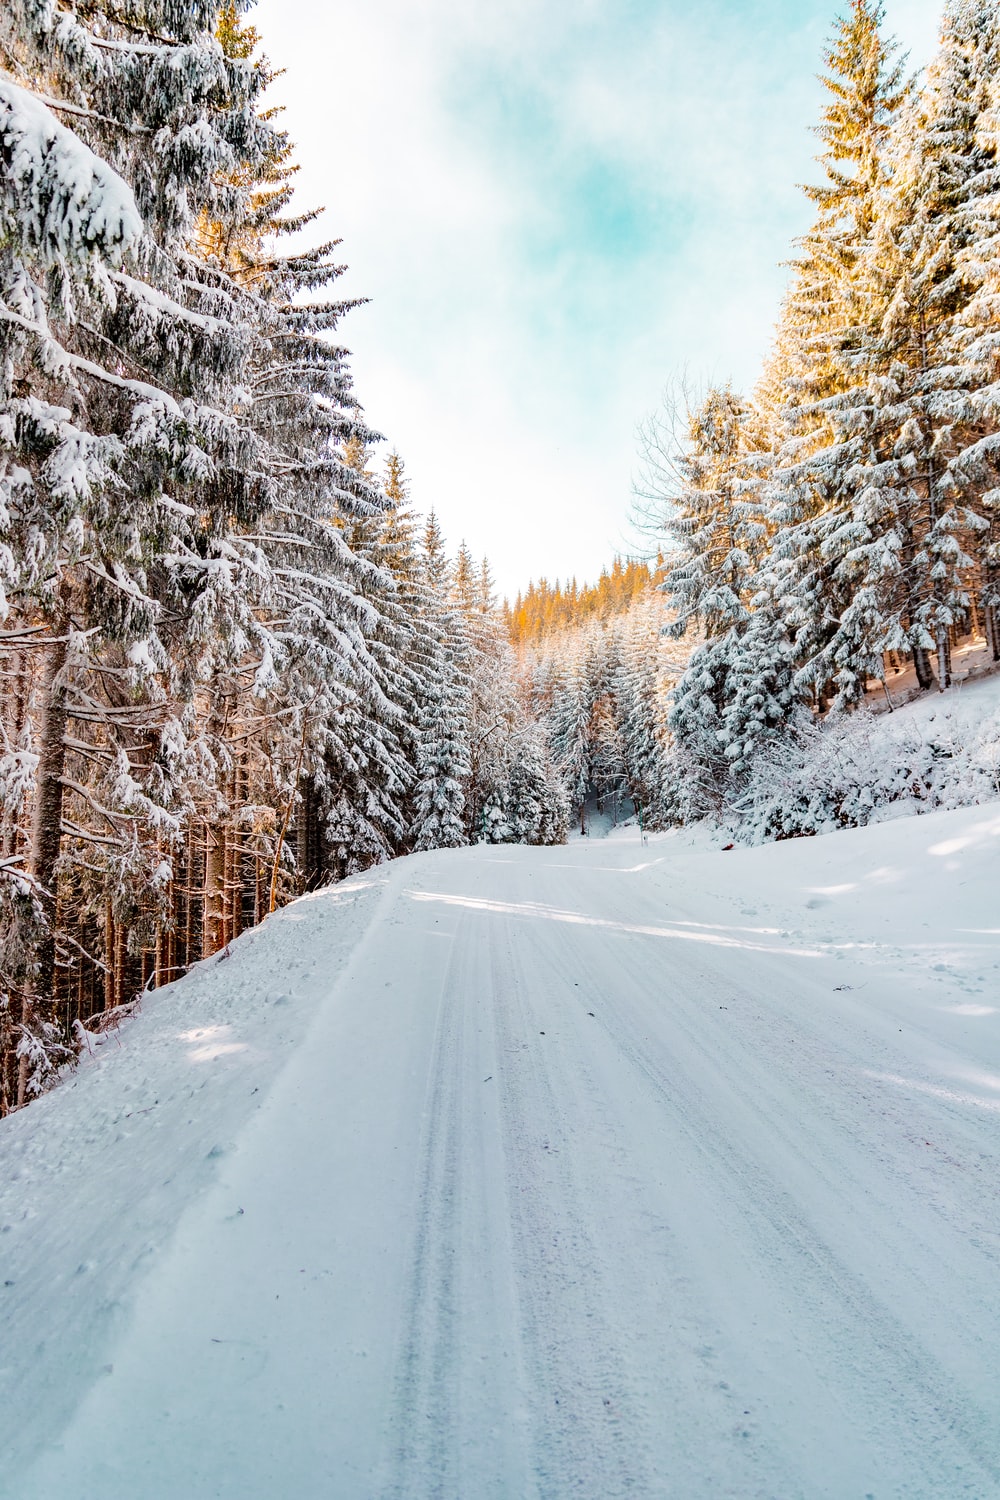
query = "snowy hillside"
x=939 y=751
x=969 y=705
x=614 y=1169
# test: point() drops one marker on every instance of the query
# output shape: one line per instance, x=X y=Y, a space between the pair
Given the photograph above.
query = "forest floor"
x=619 y=1169
x=972 y=659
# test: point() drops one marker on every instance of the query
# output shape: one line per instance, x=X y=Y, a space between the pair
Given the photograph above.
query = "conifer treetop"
x=867 y=88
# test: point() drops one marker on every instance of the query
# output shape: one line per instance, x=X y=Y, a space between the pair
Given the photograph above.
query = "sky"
x=557 y=209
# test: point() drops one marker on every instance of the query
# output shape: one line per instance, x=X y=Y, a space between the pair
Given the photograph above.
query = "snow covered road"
x=591 y=1172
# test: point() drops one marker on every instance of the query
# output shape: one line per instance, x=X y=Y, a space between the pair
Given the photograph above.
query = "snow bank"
x=94 y=1176
x=908 y=905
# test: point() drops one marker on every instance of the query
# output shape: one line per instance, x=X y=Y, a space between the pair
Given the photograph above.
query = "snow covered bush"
x=865 y=768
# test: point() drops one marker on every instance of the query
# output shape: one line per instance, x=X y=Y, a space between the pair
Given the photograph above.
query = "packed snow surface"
x=516 y=1174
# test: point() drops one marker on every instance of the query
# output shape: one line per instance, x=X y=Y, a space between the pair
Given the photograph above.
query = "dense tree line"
x=843 y=522
x=546 y=607
x=232 y=663
x=600 y=692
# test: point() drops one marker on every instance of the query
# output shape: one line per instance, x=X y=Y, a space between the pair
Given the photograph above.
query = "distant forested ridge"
x=545 y=607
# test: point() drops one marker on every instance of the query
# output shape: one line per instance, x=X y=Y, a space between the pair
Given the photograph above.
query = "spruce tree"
x=443 y=752
x=118 y=368
x=832 y=314
x=908 y=548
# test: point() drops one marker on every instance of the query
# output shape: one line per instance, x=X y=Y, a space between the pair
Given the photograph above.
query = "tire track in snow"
x=423 y=1406
x=587 y=1438
x=458 y=1421
x=876 y=1352
x=618 y=1302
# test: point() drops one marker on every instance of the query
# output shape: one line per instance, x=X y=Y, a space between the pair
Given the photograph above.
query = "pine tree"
x=974 y=336
x=721 y=711
x=494 y=717
x=569 y=721
x=640 y=693
x=832 y=314
x=536 y=809
x=119 y=357
x=365 y=772
x=908 y=546
x=443 y=765
x=213 y=684
x=715 y=521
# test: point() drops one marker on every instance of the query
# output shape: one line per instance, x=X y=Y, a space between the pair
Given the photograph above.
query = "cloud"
x=555 y=206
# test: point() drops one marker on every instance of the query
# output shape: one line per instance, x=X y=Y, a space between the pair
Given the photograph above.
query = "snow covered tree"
x=118 y=359
x=832 y=314
x=714 y=521
x=569 y=721
x=537 y=810
x=974 y=336
x=443 y=763
x=848 y=516
x=719 y=524
x=641 y=691
x=363 y=751
x=905 y=547
x=212 y=686
x=494 y=710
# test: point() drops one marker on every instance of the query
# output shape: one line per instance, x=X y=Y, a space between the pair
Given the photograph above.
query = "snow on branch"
x=59 y=200
x=64 y=107
x=140 y=388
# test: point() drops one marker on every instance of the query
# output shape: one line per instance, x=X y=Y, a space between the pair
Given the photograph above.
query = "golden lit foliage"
x=545 y=608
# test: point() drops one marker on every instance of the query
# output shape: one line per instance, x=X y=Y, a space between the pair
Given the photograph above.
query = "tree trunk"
x=213 y=908
x=237 y=861
x=109 y=955
x=46 y=834
x=922 y=663
x=189 y=899
x=12 y=829
x=302 y=838
x=160 y=954
x=121 y=961
x=921 y=658
x=943 y=655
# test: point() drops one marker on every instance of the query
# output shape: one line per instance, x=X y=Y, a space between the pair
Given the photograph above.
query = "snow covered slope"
x=938 y=753
x=525 y=1174
x=968 y=705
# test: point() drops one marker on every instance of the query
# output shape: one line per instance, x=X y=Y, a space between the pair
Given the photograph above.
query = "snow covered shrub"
x=43 y=1052
x=863 y=768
